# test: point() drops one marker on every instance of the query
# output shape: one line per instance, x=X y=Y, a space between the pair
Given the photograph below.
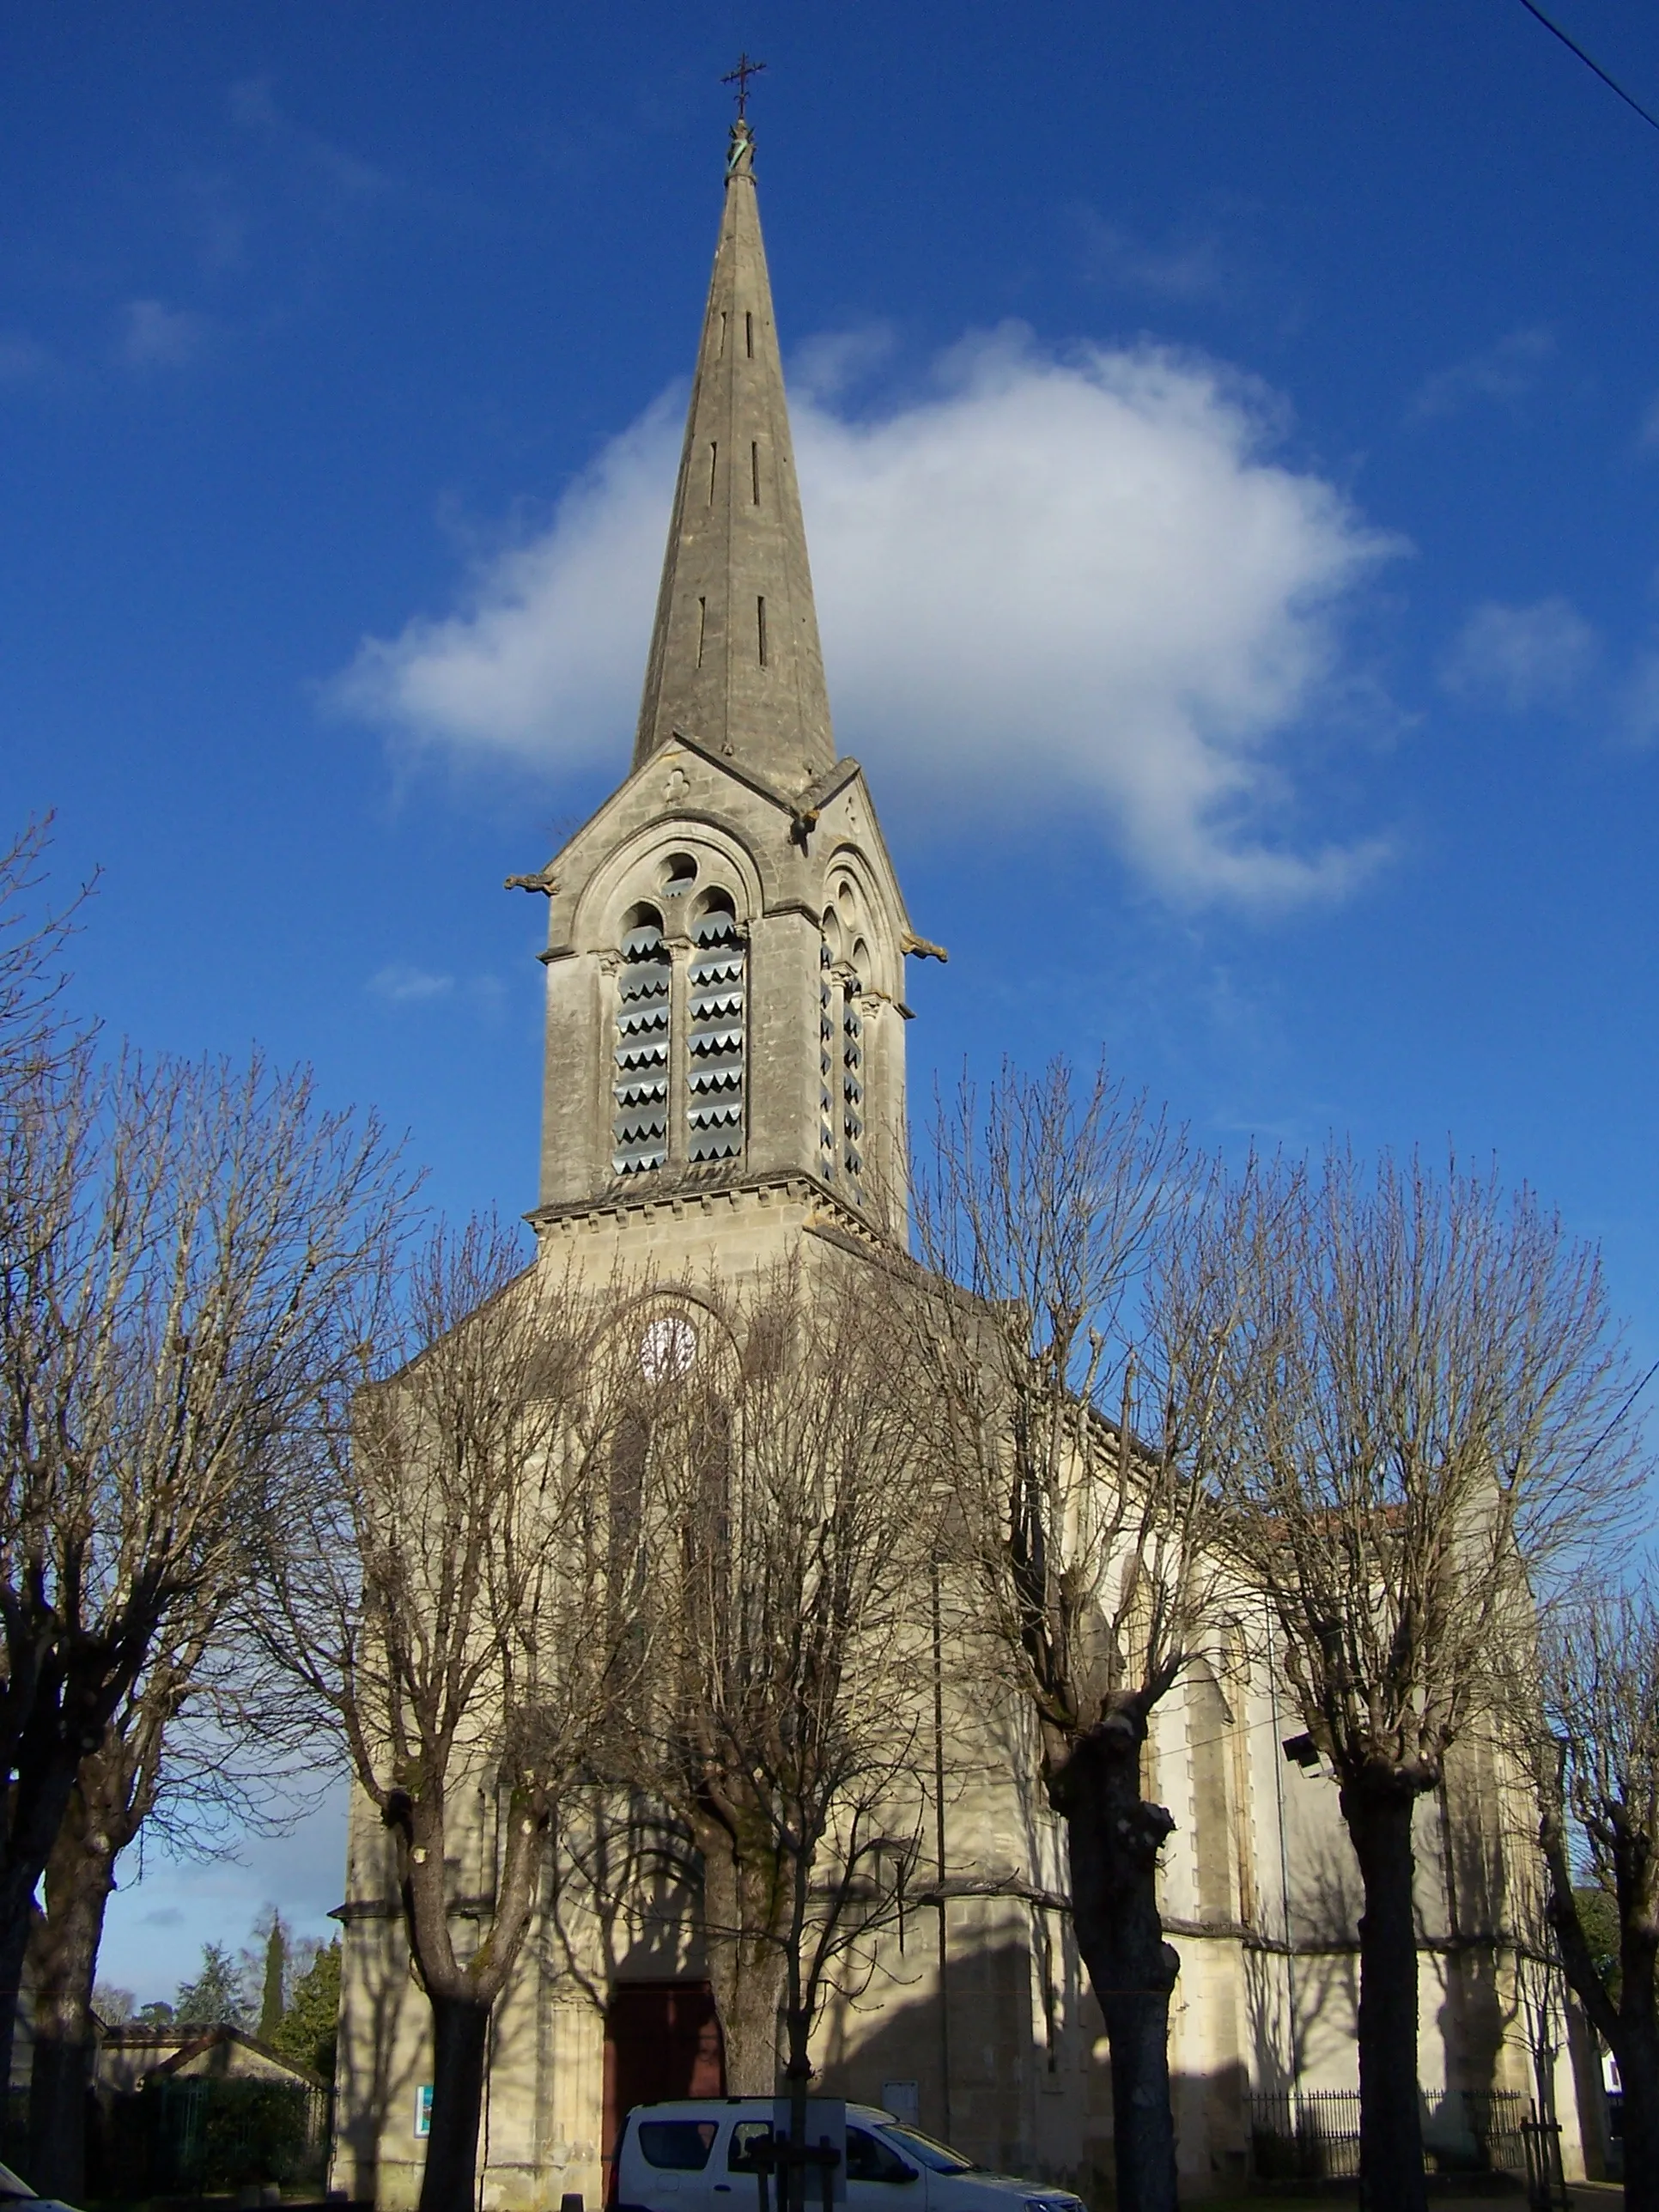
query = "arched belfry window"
x=714 y=1042
x=828 y=1057
x=828 y=1046
x=638 y=1126
x=852 y=1065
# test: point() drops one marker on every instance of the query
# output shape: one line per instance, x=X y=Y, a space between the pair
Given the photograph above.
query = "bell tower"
x=726 y=935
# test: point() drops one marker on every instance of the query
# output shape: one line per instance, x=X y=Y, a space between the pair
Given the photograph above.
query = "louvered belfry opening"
x=639 y=1127
x=828 y=1056
x=714 y=1043
x=852 y=1069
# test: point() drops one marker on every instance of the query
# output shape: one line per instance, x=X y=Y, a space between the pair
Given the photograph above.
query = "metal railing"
x=213 y=2134
x=1313 y=2134
x=1304 y=2135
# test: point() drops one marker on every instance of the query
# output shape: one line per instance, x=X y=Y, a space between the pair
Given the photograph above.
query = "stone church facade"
x=725 y=1096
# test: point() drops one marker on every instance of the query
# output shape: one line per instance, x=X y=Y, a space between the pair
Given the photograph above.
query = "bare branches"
x=1430 y=1417
x=188 y=1241
x=452 y=1585
x=179 y=1245
x=1071 y=1415
x=1597 y=1762
x=1075 y=1412
x=34 y=1033
x=441 y=1575
x=787 y=1613
x=1585 y=1714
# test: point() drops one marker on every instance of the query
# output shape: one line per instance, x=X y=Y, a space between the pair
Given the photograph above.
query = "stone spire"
x=734 y=657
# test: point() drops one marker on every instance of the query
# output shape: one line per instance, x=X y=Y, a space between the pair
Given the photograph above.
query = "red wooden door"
x=661 y=2040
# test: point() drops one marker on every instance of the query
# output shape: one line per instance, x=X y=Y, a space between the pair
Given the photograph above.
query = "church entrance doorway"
x=661 y=2040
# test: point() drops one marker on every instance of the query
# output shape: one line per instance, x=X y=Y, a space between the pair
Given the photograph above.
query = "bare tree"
x=194 y=1753
x=34 y=1032
x=1596 y=1756
x=1428 y=1406
x=782 y=1439
x=450 y=1589
x=1073 y=1421
x=177 y=1246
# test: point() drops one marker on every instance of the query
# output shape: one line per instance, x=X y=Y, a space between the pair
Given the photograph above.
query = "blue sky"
x=1229 y=442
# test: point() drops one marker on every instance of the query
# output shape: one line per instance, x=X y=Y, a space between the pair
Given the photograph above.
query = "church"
x=724 y=1094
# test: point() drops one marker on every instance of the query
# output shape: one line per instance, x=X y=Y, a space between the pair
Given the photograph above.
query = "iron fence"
x=1313 y=2134
x=190 y=2135
x=1304 y=2135
x=205 y=2134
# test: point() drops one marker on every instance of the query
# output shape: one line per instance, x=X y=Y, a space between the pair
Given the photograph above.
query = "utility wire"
x=1590 y=63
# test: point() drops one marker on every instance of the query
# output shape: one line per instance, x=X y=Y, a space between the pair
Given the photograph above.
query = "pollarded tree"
x=178 y=1246
x=1072 y=1422
x=447 y=1587
x=186 y=1759
x=1594 y=1746
x=1429 y=1408
x=781 y=1438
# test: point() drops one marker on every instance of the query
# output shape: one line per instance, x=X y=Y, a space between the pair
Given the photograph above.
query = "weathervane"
x=740 y=77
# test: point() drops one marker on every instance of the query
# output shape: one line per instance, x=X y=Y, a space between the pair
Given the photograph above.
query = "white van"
x=16 y=2196
x=696 y=2154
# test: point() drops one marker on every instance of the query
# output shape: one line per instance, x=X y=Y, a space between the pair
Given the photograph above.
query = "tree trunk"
x=80 y=1875
x=16 y=1920
x=1636 y=2046
x=462 y=1995
x=1377 y=1808
x=1639 y=2075
x=1114 y=1838
x=460 y=2034
x=1630 y=2029
x=743 y=1914
x=39 y=1799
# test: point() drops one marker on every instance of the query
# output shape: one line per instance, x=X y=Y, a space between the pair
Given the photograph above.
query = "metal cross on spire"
x=740 y=77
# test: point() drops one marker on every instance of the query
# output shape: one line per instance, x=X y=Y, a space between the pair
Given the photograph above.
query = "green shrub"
x=215 y=2135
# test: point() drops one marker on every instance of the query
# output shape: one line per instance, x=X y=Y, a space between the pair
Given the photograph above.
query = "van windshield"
x=938 y=2157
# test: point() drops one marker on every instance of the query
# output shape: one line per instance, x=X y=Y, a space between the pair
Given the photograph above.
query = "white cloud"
x=400 y=985
x=1504 y=374
x=157 y=337
x=1186 y=268
x=1047 y=579
x=834 y=363
x=254 y=109
x=1522 y=657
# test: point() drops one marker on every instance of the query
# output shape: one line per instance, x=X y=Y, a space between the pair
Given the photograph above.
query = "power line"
x=1590 y=63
